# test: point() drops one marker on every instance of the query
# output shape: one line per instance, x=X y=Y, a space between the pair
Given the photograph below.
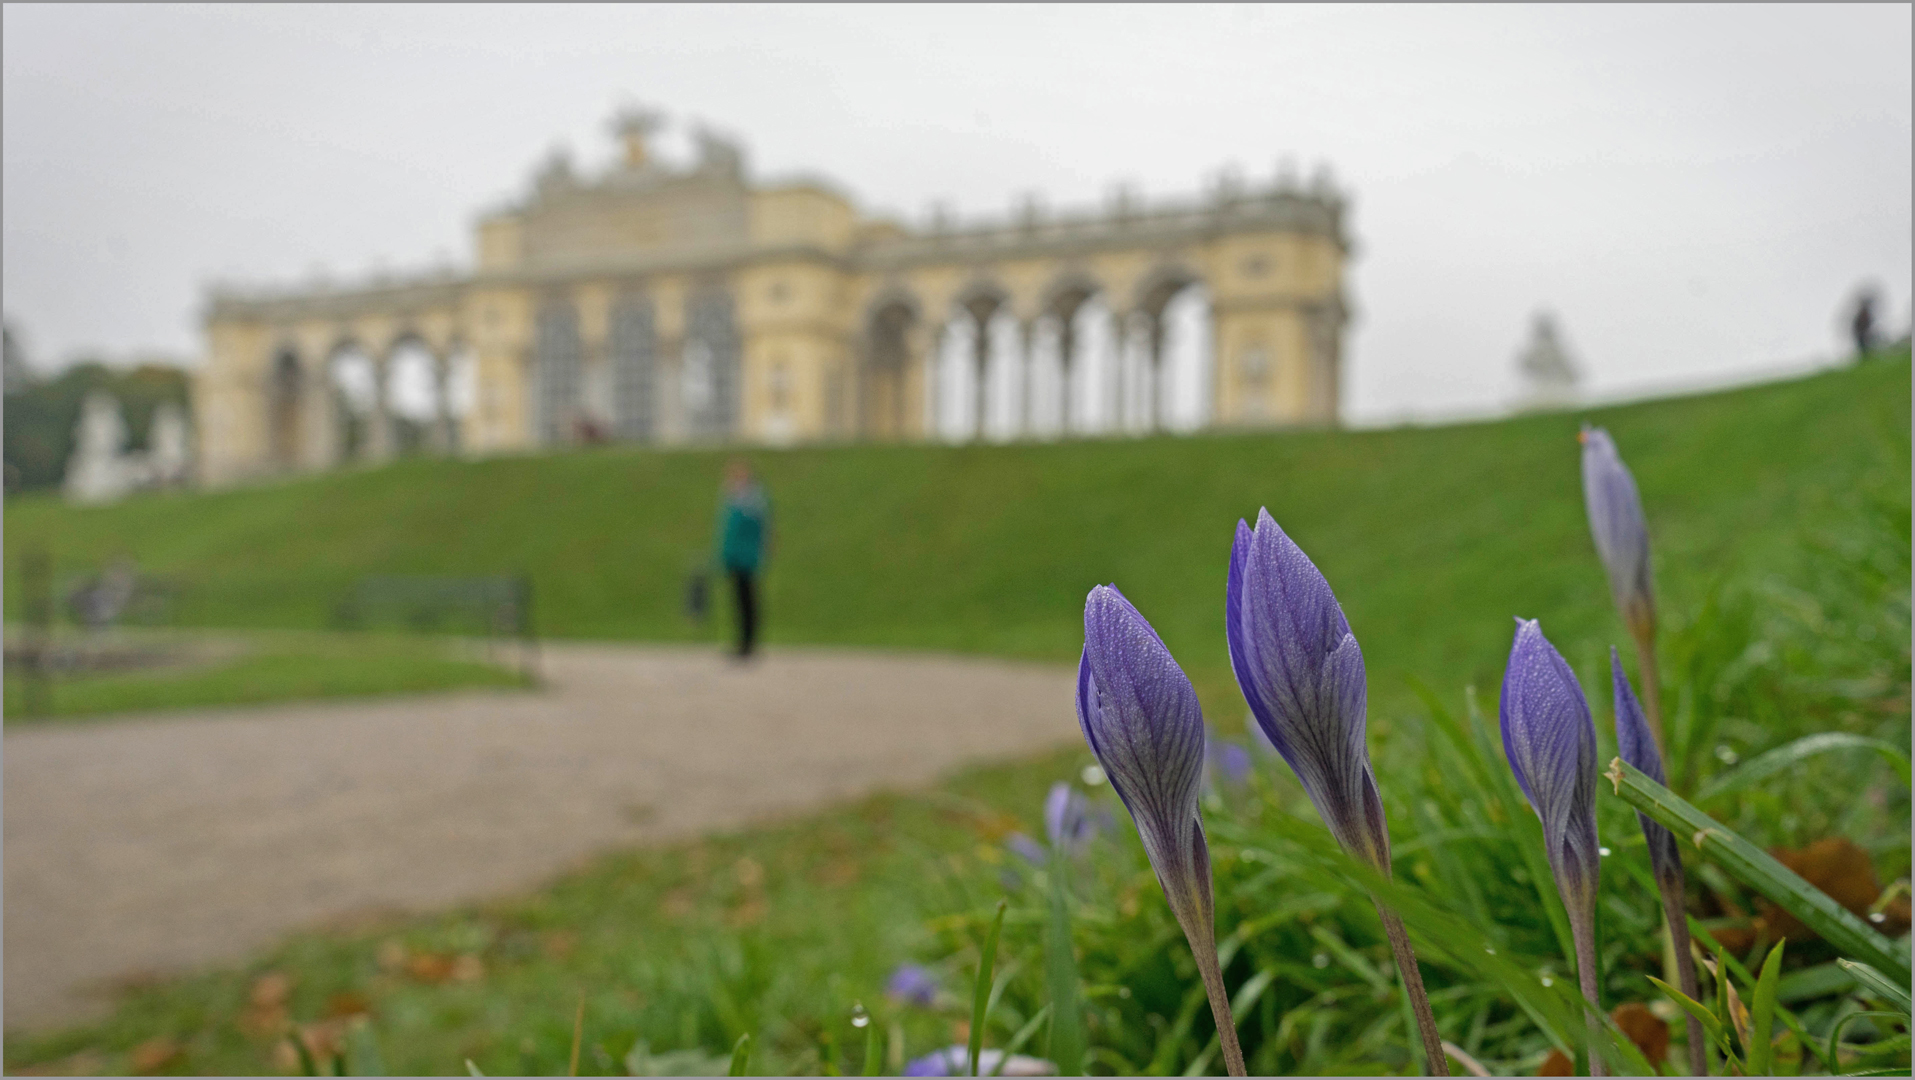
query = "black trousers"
x=744 y=586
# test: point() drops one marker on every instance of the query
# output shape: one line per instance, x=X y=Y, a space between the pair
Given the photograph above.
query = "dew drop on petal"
x=1320 y=960
x=1727 y=756
x=1877 y=917
x=1547 y=981
x=1603 y=851
x=1092 y=775
x=859 y=1018
x=1490 y=949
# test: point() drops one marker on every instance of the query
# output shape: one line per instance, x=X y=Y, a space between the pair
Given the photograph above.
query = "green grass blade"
x=1694 y=1008
x=1781 y=758
x=1755 y=868
x=740 y=1055
x=1023 y=1036
x=1835 y=1033
x=1811 y=1045
x=981 y=997
x=1060 y=973
x=1868 y=978
x=471 y=1069
x=1761 y=1048
x=873 y=1059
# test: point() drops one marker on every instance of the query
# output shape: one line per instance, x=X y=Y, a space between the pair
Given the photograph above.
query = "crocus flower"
x=1301 y=670
x=1228 y=763
x=1551 y=744
x=1069 y=820
x=1028 y=849
x=1638 y=747
x=956 y=1061
x=912 y=984
x=1622 y=542
x=1616 y=523
x=1140 y=715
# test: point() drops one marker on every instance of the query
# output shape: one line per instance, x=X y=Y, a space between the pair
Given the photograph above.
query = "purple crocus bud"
x=1068 y=819
x=911 y=984
x=1616 y=522
x=1551 y=744
x=1229 y=763
x=1638 y=747
x=1140 y=715
x=1028 y=849
x=1302 y=672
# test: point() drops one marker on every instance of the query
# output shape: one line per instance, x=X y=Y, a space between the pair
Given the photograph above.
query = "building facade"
x=680 y=305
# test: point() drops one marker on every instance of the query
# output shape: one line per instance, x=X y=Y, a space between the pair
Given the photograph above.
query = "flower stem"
x=1583 y=930
x=1678 y=929
x=1220 y=1008
x=1435 y=1060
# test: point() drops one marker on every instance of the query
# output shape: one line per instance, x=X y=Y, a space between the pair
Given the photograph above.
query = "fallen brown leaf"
x=348 y=1003
x=1839 y=867
x=1557 y=1064
x=153 y=1055
x=1645 y=1029
x=429 y=967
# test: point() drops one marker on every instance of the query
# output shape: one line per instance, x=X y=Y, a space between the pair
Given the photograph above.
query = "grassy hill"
x=1433 y=538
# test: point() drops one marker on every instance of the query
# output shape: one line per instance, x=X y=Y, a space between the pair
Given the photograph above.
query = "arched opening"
x=974 y=357
x=353 y=380
x=558 y=372
x=887 y=361
x=283 y=415
x=1074 y=330
x=415 y=394
x=1170 y=347
x=708 y=365
x=633 y=348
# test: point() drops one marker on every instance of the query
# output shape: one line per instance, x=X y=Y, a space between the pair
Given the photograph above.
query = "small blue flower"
x=1551 y=744
x=1070 y=821
x=1638 y=747
x=1301 y=670
x=1028 y=849
x=1228 y=763
x=1617 y=525
x=912 y=984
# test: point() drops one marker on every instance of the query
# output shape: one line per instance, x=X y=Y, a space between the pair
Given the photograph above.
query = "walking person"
x=744 y=539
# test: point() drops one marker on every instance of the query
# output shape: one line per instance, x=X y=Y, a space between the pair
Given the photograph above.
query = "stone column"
x=379 y=421
x=318 y=428
x=1154 y=365
x=1066 y=350
x=439 y=436
x=1027 y=365
x=980 y=389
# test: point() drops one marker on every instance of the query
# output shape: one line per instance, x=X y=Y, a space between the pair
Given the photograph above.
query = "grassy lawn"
x=258 y=668
x=1441 y=534
x=1781 y=521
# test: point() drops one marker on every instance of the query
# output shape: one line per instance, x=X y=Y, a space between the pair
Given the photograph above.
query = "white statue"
x=97 y=473
x=1549 y=376
x=169 y=451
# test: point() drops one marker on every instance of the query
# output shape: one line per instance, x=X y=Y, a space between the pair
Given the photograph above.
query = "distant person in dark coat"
x=1862 y=323
x=744 y=539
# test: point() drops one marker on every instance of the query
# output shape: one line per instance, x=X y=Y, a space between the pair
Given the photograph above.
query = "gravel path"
x=157 y=844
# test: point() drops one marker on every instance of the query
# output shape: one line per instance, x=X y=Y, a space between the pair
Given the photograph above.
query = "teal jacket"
x=744 y=524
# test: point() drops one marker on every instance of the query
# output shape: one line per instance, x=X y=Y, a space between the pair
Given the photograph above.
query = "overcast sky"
x=1694 y=191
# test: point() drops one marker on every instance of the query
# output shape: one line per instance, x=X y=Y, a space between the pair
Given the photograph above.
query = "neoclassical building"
x=675 y=305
